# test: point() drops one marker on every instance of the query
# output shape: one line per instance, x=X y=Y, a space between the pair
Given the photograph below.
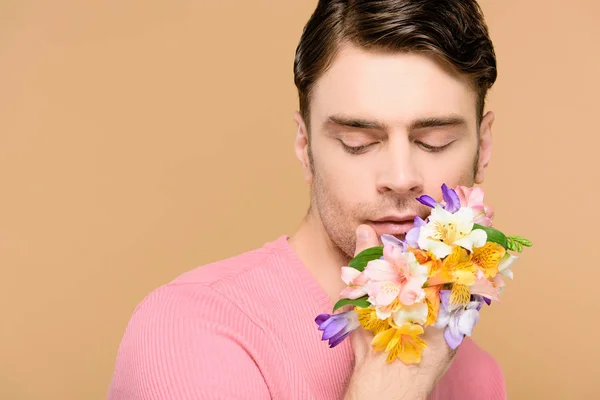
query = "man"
x=392 y=99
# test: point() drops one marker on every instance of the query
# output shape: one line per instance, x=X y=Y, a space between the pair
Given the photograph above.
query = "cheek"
x=453 y=168
x=342 y=176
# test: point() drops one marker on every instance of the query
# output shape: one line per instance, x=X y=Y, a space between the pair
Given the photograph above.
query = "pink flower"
x=398 y=276
x=473 y=198
x=485 y=287
x=355 y=281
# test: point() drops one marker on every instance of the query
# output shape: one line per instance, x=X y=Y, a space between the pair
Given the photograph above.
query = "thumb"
x=365 y=237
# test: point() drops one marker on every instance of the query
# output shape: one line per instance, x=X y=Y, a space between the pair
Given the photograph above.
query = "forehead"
x=396 y=88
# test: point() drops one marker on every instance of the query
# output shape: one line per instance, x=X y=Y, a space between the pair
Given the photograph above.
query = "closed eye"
x=356 y=149
x=432 y=149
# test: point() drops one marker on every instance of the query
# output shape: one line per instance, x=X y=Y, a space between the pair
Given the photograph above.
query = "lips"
x=393 y=225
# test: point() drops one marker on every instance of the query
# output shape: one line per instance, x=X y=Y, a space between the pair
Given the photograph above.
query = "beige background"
x=139 y=139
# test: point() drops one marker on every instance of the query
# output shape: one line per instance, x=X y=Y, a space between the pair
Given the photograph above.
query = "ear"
x=301 y=147
x=485 y=146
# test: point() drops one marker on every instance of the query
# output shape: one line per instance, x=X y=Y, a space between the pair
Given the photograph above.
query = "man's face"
x=385 y=129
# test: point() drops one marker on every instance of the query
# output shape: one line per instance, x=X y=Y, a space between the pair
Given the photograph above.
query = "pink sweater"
x=243 y=328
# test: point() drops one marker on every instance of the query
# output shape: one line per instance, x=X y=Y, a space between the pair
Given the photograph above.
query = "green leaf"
x=494 y=235
x=361 y=302
x=362 y=259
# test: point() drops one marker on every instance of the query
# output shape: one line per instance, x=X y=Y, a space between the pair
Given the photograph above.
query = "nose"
x=398 y=171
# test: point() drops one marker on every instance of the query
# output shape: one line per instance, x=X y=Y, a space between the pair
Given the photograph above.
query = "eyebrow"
x=432 y=122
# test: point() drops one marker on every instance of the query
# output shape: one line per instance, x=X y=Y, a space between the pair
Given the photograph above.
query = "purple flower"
x=481 y=299
x=412 y=236
x=459 y=322
x=336 y=327
x=451 y=200
x=427 y=200
x=393 y=241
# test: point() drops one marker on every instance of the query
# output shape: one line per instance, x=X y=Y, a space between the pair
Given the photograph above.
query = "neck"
x=320 y=255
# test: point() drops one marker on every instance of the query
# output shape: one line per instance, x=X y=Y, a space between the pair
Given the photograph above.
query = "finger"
x=365 y=237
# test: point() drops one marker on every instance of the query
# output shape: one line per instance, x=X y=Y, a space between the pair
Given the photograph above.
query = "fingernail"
x=362 y=233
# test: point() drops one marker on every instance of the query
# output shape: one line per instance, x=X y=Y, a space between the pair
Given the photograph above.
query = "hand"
x=374 y=377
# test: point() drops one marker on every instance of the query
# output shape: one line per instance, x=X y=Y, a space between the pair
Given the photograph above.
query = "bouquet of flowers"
x=441 y=274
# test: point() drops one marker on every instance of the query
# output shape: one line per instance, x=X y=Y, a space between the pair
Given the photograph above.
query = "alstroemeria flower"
x=505 y=264
x=412 y=236
x=336 y=327
x=463 y=270
x=368 y=319
x=393 y=241
x=446 y=229
x=355 y=281
x=473 y=198
x=451 y=200
x=401 y=342
x=487 y=258
x=394 y=282
x=458 y=322
x=416 y=313
x=484 y=287
x=504 y=271
x=432 y=299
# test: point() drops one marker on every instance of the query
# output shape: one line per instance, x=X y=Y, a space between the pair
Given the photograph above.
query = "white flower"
x=446 y=229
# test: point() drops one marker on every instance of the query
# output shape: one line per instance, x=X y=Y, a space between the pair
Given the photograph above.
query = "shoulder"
x=230 y=269
x=196 y=329
x=474 y=374
x=212 y=291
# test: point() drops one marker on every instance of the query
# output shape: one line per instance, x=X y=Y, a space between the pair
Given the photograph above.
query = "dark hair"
x=454 y=31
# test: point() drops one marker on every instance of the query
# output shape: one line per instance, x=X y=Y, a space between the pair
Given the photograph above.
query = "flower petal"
x=477 y=238
x=369 y=320
x=387 y=293
x=322 y=318
x=393 y=241
x=460 y=295
x=487 y=258
x=443 y=318
x=476 y=196
x=427 y=200
x=382 y=314
x=417 y=313
x=453 y=340
x=352 y=293
x=439 y=249
x=380 y=270
x=451 y=199
x=349 y=274
x=412 y=236
x=467 y=321
x=410 y=351
x=412 y=291
x=418 y=222
x=445 y=298
x=381 y=340
x=334 y=341
x=337 y=325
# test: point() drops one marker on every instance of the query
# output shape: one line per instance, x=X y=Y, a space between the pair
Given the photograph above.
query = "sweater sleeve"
x=187 y=342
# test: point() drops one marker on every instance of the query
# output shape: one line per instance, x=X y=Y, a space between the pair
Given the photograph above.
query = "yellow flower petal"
x=458 y=256
x=411 y=329
x=381 y=340
x=412 y=350
x=367 y=317
x=488 y=257
x=464 y=274
x=432 y=298
x=460 y=294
